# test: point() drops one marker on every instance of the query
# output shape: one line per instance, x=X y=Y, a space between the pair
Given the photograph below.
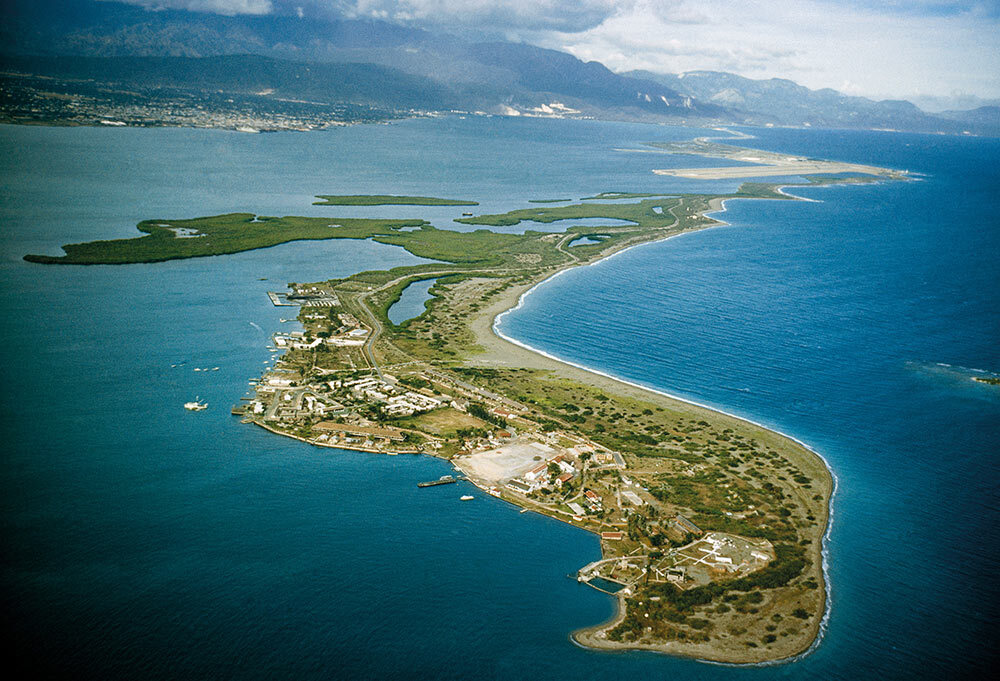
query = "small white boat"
x=196 y=405
x=197 y=369
x=466 y=497
x=215 y=368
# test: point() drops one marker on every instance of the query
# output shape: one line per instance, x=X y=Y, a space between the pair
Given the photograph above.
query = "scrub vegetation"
x=386 y=200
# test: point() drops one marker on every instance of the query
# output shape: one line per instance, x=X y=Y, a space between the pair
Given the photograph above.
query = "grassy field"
x=387 y=200
x=441 y=422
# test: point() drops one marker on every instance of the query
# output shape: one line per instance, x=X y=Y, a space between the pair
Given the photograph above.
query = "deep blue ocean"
x=143 y=541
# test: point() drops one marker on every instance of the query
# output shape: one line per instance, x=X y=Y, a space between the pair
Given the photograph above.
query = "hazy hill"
x=392 y=66
x=783 y=102
x=984 y=118
x=550 y=71
x=249 y=74
x=493 y=77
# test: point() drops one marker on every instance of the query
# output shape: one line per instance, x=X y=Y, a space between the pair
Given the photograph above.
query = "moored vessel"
x=443 y=480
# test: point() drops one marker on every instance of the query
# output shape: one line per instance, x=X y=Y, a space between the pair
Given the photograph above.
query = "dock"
x=279 y=299
x=443 y=480
x=303 y=299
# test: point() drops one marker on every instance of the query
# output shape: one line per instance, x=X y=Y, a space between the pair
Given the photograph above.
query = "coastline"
x=491 y=347
x=499 y=348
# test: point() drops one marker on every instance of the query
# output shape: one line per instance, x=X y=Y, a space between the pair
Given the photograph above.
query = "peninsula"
x=711 y=527
x=760 y=163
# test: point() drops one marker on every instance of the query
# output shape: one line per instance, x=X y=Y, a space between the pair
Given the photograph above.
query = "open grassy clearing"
x=442 y=422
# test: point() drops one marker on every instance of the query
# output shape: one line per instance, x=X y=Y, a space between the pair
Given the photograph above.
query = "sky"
x=907 y=49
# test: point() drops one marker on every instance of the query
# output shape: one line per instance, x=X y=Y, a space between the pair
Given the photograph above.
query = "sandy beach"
x=499 y=351
x=770 y=170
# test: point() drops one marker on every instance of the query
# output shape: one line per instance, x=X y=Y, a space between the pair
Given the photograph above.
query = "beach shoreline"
x=491 y=347
x=500 y=349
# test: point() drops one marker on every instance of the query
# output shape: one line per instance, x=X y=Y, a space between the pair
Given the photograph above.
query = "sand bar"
x=784 y=169
x=503 y=352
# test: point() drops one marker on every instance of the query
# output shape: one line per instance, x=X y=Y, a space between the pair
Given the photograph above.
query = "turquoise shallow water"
x=142 y=540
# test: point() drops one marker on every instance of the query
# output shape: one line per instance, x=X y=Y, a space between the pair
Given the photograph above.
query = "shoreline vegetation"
x=712 y=528
x=387 y=200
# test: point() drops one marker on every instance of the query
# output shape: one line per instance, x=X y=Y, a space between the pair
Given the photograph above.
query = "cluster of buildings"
x=681 y=527
x=540 y=476
x=714 y=555
x=354 y=435
x=297 y=340
x=396 y=402
x=311 y=296
x=279 y=400
x=593 y=502
x=30 y=98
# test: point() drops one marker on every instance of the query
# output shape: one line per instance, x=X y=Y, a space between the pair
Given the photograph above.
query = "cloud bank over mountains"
x=224 y=7
x=886 y=49
x=875 y=48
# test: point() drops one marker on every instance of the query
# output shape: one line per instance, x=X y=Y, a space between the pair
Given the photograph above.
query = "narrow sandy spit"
x=501 y=350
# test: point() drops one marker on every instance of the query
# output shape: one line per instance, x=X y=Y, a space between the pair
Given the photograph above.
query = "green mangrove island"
x=386 y=200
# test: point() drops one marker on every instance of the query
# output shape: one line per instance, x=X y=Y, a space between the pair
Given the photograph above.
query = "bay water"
x=141 y=540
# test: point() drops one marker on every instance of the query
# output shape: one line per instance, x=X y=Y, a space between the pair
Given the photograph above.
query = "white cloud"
x=226 y=7
x=877 y=52
x=900 y=48
x=486 y=15
x=877 y=48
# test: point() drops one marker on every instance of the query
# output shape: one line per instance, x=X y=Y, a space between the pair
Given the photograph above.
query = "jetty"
x=443 y=480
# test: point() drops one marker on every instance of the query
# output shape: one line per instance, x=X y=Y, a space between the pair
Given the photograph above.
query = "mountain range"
x=378 y=63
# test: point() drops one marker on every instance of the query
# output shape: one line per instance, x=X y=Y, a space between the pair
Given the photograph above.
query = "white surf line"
x=781 y=190
x=825 y=549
